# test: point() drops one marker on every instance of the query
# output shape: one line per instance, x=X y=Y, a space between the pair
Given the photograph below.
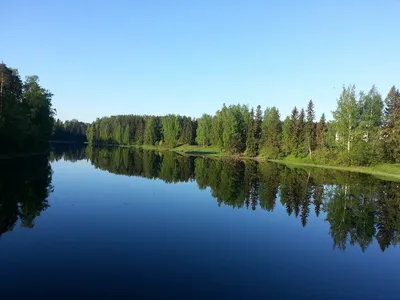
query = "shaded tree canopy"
x=26 y=112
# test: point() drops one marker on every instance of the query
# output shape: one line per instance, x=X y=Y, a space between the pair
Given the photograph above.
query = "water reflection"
x=358 y=207
x=25 y=185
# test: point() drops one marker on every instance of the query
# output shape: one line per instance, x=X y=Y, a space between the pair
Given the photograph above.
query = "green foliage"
x=234 y=128
x=310 y=138
x=358 y=135
x=72 y=131
x=251 y=142
x=204 y=130
x=391 y=129
x=26 y=113
x=126 y=136
x=321 y=133
x=171 y=129
x=271 y=133
x=346 y=118
x=286 y=136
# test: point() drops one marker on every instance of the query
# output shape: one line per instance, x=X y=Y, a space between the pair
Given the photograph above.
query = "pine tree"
x=391 y=128
x=300 y=149
x=321 y=132
x=310 y=134
x=259 y=119
x=294 y=130
x=272 y=132
x=286 y=136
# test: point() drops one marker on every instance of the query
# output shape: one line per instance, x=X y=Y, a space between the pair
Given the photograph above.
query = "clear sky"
x=189 y=57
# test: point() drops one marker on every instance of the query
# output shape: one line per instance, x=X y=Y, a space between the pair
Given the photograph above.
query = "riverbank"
x=382 y=171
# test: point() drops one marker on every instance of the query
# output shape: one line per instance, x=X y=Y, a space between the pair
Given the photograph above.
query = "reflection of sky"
x=110 y=232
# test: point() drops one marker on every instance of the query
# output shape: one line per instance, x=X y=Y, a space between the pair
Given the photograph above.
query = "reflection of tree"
x=351 y=213
x=269 y=185
x=388 y=218
x=358 y=207
x=71 y=152
x=317 y=198
x=25 y=185
x=251 y=184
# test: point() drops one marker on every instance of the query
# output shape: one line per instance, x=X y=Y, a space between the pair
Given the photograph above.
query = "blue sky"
x=189 y=57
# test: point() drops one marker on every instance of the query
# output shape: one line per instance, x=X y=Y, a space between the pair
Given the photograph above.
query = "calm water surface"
x=122 y=224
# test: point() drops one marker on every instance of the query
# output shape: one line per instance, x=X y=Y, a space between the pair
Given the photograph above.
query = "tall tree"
x=321 y=132
x=391 y=128
x=310 y=130
x=251 y=143
x=37 y=105
x=171 y=129
x=126 y=136
x=294 y=130
x=186 y=136
x=234 y=128
x=286 y=136
x=203 y=133
x=300 y=149
x=217 y=129
x=271 y=132
x=259 y=119
x=151 y=133
x=346 y=117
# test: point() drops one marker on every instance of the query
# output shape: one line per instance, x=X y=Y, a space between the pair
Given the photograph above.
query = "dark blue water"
x=119 y=224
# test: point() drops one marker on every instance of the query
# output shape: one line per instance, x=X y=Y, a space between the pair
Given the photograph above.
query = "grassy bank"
x=187 y=149
x=383 y=171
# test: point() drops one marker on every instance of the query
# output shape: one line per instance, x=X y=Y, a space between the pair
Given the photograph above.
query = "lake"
x=119 y=223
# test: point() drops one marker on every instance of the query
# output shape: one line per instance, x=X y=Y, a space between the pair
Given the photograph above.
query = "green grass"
x=199 y=150
x=383 y=171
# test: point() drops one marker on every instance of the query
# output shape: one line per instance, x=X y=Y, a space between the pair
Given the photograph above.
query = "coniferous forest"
x=365 y=130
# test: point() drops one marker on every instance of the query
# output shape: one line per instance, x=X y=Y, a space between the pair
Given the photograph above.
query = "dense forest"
x=365 y=130
x=69 y=131
x=356 y=214
x=26 y=113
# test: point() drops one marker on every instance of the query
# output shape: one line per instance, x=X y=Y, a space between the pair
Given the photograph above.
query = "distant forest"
x=365 y=130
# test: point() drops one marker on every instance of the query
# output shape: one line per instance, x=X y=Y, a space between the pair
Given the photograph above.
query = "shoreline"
x=378 y=171
x=366 y=170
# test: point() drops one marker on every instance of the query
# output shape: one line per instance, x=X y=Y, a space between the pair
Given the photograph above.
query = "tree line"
x=356 y=215
x=365 y=130
x=69 y=131
x=26 y=112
